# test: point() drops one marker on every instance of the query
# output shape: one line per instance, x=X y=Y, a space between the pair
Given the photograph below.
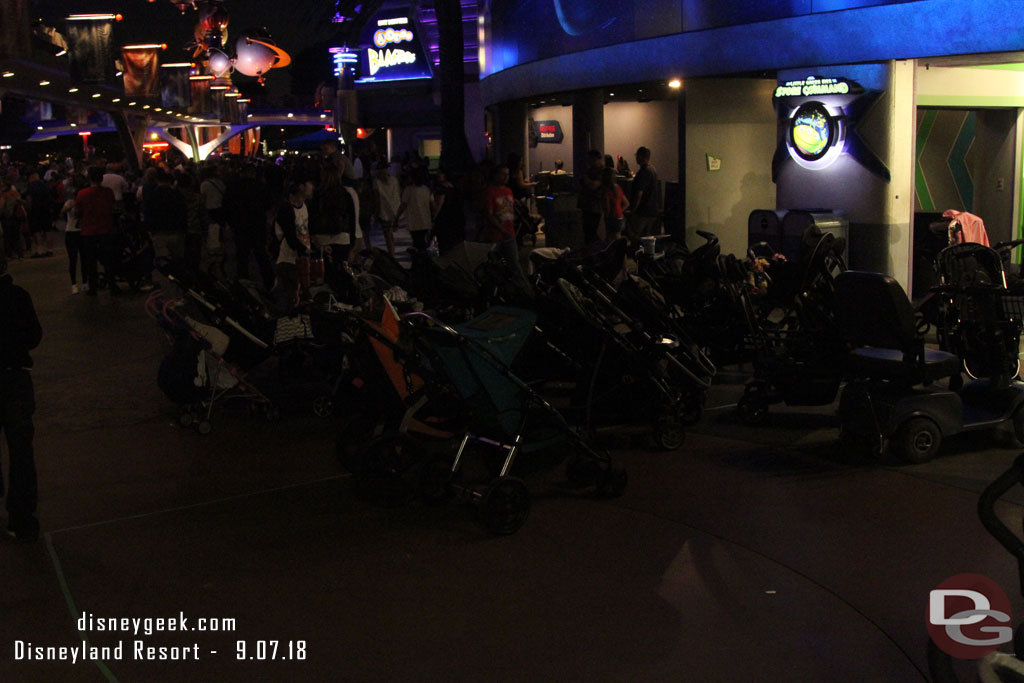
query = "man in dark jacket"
x=19 y=333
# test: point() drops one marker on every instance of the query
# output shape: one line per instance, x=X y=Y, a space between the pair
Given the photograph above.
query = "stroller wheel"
x=753 y=411
x=582 y=472
x=918 y=440
x=185 y=419
x=323 y=406
x=669 y=434
x=204 y=427
x=505 y=506
x=384 y=477
x=613 y=483
x=436 y=481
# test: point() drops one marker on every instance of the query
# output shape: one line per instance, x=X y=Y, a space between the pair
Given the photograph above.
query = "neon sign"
x=387 y=36
x=382 y=59
x=813 y=86
x=392 y=51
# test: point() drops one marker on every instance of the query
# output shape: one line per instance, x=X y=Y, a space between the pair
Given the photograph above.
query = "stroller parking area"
x=753 y=553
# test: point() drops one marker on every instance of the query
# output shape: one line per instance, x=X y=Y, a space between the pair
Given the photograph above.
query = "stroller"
x=976 y=316
x=798 y=355
x=209 y=359
x=456 y=383
x=640 y=361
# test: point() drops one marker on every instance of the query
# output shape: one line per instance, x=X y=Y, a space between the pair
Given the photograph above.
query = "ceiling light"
x=675 y=83
x=8 y=74
x=116 y=99
x=39 y=127
x=72 y=89
x=95 y=95
x=74 y=125
x=44 y=82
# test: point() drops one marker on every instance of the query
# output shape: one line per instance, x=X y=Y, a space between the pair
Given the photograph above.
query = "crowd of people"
x=262 y=219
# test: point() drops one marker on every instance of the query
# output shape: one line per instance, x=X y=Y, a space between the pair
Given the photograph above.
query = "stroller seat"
x=877 y=318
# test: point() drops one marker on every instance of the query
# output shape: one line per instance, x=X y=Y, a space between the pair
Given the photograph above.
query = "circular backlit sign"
x=815 y=136
x=811 y=131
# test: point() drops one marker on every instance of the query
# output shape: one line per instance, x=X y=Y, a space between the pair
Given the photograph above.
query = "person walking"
x=95 y=206
x=20 y=332
x=416 y=207
x=73 y=236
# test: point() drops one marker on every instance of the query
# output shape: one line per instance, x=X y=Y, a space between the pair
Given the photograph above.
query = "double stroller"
x=451 y=391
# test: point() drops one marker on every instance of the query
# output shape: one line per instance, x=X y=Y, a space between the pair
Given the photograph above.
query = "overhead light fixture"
x=116 y=99
x=220 y=87
x=177 y=65
x=232 y=94
x=72 y=89
x=675 y=83
x=74 y=125
x=95 y=17
x=323 y=116
x=61 y=53
x=146 y=46
x=245 y=100
x=291 y=116
x=145 y=106
x=8 y=74
x=95 y=95
x=39 y=127
x=132 y=104
x=119 y=73
x=201 y=77
x=44 y=82
x=158 y=108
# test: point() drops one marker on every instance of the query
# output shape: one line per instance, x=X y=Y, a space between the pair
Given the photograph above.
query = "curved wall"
x=903 y=30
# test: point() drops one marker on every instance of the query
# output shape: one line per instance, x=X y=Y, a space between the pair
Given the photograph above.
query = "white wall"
x=733 y=120
x=627 y=126
x=542 y=157
x=655 y=124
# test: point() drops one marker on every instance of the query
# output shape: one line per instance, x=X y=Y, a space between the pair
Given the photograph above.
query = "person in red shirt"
x=614 y=205
x=499 y=219
x=95 y=206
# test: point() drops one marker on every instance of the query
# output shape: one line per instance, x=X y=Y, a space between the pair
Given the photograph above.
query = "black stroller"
x=466 y=369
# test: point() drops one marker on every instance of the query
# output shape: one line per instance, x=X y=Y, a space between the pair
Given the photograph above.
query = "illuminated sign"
x=815 y=137
x=392 y=51
x=813 y=87
x=548 y=131
x=387 y=36
x=343 y=60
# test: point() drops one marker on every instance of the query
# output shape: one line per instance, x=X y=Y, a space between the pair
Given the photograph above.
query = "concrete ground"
x=749 y=555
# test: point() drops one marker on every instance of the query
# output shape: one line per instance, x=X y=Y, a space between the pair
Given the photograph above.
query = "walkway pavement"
x=749 y=555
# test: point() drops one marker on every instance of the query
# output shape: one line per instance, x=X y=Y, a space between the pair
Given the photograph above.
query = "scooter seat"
x=892 y=364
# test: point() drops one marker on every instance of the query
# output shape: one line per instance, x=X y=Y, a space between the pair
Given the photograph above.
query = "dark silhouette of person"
x=20 y=332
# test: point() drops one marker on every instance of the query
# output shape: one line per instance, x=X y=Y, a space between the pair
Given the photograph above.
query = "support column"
x=131 y=131
x=587 y=126
x=511 y=130
x=900 y=200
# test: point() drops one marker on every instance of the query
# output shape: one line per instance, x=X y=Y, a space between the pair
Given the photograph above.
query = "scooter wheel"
x=918 y=440
x=323 y=406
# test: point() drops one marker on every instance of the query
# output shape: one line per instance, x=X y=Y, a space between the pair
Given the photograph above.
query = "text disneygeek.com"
x=140 y=649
